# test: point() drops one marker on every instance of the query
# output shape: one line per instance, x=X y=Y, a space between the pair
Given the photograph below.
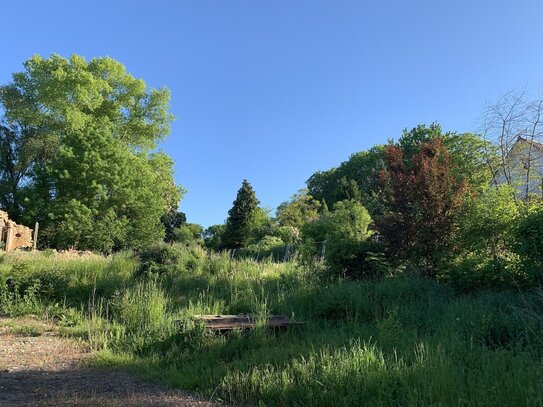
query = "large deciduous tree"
x=82 y=159
x=421 y=197
x=358 y=177
x=240 y=218
x=354 y=179
x=470 y=155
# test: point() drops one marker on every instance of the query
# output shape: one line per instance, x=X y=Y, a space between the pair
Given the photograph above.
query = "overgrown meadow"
x=399 y=340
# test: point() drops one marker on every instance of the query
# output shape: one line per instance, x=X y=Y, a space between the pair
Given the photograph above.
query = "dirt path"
x=47 y=370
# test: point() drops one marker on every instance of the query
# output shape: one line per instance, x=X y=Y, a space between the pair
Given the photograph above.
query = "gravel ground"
x=48 y=370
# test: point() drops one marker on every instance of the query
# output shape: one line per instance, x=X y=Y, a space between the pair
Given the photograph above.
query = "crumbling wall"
x=4 y=219
x=12 y=235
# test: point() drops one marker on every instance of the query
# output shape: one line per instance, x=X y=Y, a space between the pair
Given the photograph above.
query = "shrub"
x=357 y=260
x=529 y=242
x=160 y=259
x=478 y=270
x=485 y=243
x=15 y=301
x=348 y=251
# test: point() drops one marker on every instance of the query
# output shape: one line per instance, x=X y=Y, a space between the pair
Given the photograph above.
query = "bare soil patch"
x=48 y=370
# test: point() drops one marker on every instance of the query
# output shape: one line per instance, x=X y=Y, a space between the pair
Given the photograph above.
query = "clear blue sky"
x=274 y=90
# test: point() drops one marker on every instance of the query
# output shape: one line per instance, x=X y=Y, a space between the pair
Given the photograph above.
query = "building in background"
x=522 y=168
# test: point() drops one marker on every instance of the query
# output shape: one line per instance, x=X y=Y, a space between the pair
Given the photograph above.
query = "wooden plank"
x=223 y=323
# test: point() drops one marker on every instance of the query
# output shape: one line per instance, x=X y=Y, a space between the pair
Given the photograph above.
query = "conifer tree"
x=239 y=220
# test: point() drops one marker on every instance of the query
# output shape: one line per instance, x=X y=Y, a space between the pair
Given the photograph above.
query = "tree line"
x=427 y=204
x=78 y=153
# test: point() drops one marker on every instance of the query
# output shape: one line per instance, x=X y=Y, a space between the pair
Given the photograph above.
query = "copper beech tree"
x=421 y=194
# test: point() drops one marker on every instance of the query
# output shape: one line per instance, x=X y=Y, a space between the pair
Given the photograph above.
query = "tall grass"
x=400 y=341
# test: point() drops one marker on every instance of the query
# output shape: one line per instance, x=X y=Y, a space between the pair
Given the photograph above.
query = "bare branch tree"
x=515 y=118
x=535 y=134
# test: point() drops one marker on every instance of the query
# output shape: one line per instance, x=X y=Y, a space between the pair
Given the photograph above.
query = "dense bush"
x=160 y=258
x=342 y=238
x=484 y=247
x=529 y=242
x=357 y=260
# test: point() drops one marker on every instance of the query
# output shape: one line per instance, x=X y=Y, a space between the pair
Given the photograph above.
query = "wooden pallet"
x=244 y=322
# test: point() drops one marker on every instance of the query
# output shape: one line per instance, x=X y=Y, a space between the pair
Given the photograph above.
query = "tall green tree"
x=240 y=217
x=84 y=152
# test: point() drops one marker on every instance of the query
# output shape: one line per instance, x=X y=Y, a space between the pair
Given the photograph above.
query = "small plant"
x=14 y=301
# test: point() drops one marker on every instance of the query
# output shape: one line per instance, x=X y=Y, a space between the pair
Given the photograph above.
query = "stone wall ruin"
x=12 y=235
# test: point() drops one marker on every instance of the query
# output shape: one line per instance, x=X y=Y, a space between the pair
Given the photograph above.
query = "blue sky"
x=274 y=90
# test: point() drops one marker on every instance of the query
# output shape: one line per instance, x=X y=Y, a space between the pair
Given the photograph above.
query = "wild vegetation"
x=417 y=265
x=405 y=340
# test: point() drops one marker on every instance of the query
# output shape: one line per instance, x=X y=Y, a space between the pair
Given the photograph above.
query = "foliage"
x=483 y=252
x=172 y=220
x=268 y=247
x=20 y=300
x=529 y=242
x=358 y=177
x=421 y=199
x=213 y=237
x=471 y=156
x=160 y=258
x=487 y=221
x=340 y=237
x=293 y=214
x=189 y=233
x=313 y=237
x=355 y=179
x=240 y=217
x=348 y=252
x=261 y=225
x=14 y=166
x=81 y=135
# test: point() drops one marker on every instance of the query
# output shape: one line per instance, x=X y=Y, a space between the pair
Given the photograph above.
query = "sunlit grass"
x=400 y=341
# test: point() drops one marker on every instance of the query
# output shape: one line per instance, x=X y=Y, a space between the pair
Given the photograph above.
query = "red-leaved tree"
x=421 y=194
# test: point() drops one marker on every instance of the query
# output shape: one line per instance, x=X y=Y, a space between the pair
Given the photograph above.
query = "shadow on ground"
x=81 y=386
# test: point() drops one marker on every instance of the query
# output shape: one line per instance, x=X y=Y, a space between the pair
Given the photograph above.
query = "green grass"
x=400 y=341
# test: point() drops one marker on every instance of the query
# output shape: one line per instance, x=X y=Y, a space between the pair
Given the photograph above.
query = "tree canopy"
x=82 y=138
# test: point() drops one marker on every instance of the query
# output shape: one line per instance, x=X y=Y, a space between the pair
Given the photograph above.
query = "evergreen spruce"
x=240 y=217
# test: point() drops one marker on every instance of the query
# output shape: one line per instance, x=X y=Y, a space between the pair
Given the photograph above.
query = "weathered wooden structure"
x=245 y=322
x=13 y=235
